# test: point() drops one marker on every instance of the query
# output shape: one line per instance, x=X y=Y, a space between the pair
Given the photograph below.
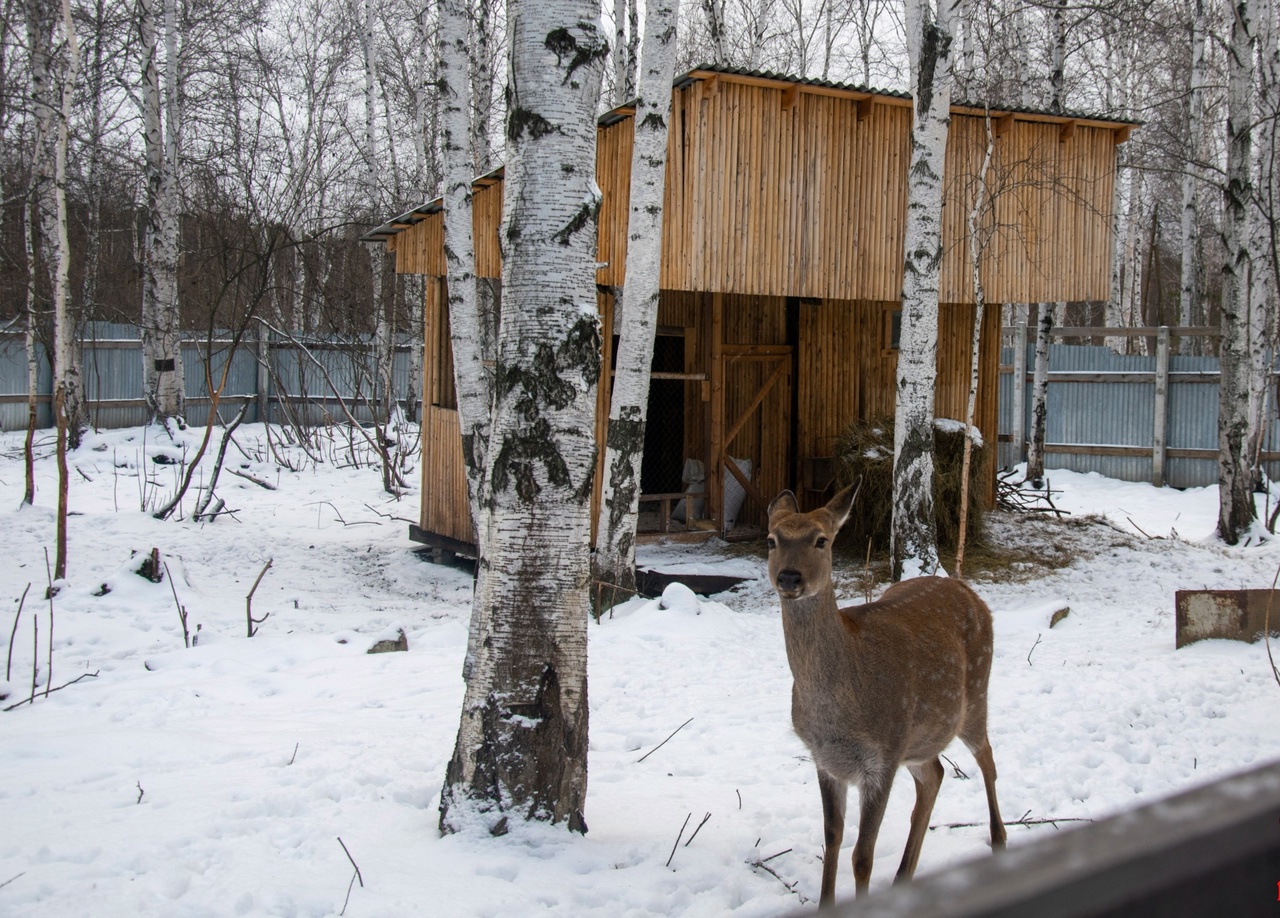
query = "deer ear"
x=842 y=504
x=784 y=503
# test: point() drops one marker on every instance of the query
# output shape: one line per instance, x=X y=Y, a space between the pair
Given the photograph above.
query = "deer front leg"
x=928 y=777
x=835 y=794
x=874 y=794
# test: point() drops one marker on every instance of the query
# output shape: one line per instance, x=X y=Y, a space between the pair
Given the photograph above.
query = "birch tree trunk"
x=1045 y=317
x=384 y=329
x=636 y=318
x=163 y=385
x=713 y=10
x=1118 y=65
x=470 y=357
x=1262 y=278
x=482 y=54
x=1039 y=398
x=1190 y=306
x=914 y=530
x=522 y=740
x=54 y=63
x=1235 y=492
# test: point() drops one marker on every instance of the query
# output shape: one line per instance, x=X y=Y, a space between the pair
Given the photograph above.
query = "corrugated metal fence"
x=1136 y=418
x=287 y=383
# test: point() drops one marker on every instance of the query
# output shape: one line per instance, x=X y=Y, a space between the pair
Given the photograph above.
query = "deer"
x=879 y=685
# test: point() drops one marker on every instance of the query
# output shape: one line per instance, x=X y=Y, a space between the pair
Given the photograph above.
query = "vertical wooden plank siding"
x=773 y=195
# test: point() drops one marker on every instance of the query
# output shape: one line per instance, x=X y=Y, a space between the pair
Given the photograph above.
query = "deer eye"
x=771 y=543
x=822 y=542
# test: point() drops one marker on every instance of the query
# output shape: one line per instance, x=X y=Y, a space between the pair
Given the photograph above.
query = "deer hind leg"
x=874 y=794
x=835 y=794
x=928 y=777
x=982 y=752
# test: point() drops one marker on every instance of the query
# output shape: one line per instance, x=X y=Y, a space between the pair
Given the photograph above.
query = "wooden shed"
x=781 y=275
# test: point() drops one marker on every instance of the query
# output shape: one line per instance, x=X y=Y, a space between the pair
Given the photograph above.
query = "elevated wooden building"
x=781 y=275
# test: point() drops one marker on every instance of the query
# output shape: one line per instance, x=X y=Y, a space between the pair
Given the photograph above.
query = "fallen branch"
x=664 y=742
x=1033 y=649
x=59 y=688
x=958 y=770
x=791 y=887
x=248 y=601
x=1024 y=821
x=140 y=793
x=182 y=612
x=678 y=837
x=12 y=878
x=697 y=830
x=8 y=667
x=357 y=876
x=255 y=479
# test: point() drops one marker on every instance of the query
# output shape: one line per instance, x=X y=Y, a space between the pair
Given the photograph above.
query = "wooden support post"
x=1020 y=392
x=1159 y=441
x=715 y=465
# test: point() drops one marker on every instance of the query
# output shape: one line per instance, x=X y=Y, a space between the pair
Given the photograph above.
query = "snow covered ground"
x=218 y=780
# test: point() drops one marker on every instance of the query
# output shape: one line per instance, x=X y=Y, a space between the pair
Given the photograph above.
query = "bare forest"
x=287 y=130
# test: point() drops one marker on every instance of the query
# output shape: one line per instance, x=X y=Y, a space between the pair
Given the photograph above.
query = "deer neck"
x=811 y=627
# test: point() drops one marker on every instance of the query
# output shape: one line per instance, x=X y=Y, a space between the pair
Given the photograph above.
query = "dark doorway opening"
x=663 y=462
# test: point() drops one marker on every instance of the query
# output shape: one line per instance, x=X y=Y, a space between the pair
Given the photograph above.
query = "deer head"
x=800 y=543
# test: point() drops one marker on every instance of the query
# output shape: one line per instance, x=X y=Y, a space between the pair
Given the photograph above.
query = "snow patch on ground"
x=217 y=780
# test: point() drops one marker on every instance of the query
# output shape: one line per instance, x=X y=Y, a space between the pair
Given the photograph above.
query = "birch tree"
x=1262 y=273
x=1190 y=307
x=471 y=358
x=54 y=62
x=1235 y=491
x=1046 y=311
x=164 y=388
x=636 y=318
x=521 y=750
x=914 y=529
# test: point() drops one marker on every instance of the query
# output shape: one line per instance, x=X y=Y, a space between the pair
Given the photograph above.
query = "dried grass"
x=865 y=450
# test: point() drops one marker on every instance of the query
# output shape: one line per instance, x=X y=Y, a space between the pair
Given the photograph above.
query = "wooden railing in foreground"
x=1210 y=851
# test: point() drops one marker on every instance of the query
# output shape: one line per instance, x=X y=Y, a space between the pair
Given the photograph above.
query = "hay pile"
x=865 y=450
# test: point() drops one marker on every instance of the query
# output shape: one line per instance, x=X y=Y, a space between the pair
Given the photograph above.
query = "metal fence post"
x=264 y=374
x=1020 y=392
x=1159 y=440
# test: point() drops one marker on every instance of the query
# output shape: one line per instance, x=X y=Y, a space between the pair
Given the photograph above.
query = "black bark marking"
x=523 y=120
x=583 y=218
x=521 y=452
x=562 y=43
x=653 y=122
x=625 y=440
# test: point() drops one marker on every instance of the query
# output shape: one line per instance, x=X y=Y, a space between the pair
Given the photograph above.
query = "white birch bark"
x=1046 y=311
x=483 y=66
x=713 y=10
x=1235 y=497
x=466 y=325
x=163 y=386
x=1262 y=278
x=1190 y=306
x=914 y=530
x=636 y=313
x=522 y=740
x=53 y=62
x=384 y=329
x=1118 y=88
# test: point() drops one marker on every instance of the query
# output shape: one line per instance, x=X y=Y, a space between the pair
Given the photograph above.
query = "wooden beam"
x=755 y=402
x=710 y=86
x=865 y=105
x=752 y=491
x=1002 y=125
x=1066 y=132
x=790 y=96
x=1121 y=134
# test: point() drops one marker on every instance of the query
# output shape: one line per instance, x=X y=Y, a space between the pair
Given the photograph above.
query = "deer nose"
x=789 y=579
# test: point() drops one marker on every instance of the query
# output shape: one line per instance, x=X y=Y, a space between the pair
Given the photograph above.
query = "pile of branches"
x=1014 y=494
x=865 y=450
